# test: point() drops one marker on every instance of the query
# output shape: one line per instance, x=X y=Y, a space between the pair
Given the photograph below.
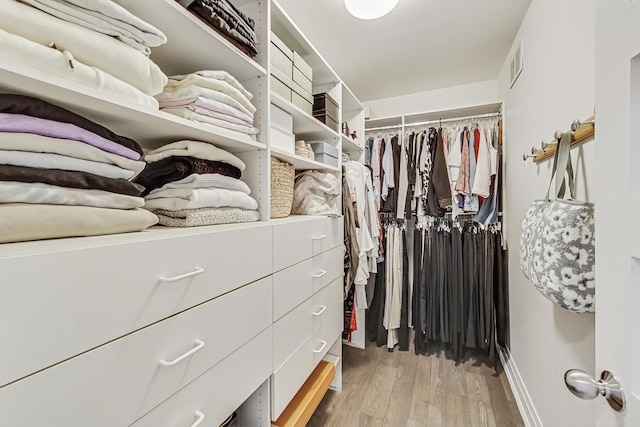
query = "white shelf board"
x=305 y=126
x=350 y=103
x=349 y=146
x=151 y=128
x=290 y=34
x=383 y=121
x=299 y=162
x=192 y=45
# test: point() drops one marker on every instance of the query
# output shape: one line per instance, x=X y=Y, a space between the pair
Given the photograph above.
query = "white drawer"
x=71 y=301
x=291 y=286
x=325 y=302
x=323 y=338
x=329 y=265
x=117 y=383
x=291 y=331
x=288 y=379
x=300 y=239
x=219 y=391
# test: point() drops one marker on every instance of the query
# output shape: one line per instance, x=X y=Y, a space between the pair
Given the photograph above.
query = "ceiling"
x=421 y=45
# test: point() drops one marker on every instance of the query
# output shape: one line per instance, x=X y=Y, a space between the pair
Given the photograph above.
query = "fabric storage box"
x=275 y=40
x=325 y=153
x=281 y=139
x=280 y=84
x=327 y=121
x=281 y=119
x=324 y=104
x=302 y=65
x=302 y=80
x=281 y=61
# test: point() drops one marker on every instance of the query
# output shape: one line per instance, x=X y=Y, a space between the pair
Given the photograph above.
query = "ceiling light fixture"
x=370 y=9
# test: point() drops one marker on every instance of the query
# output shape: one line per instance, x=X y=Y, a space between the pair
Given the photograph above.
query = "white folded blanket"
x=56 y=161
x=106 y=17
x=205 y=216
x=218 y=75
x=210 y=180
x=197 y=149
x=193 y=92
x=66 y=147
x=35 y=192
x=213 y=84
x=209 y=104
x=90 y=47
x=193 y=116
x=20 y=222
x=196 y=198
x=53 y=63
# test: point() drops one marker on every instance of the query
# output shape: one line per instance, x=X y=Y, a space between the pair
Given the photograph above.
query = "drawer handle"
x=200 y=419
x=184 y=356
x=320 y=274
x=195 y=272
x=324 y=344
x=319 y=237
x=324 y=307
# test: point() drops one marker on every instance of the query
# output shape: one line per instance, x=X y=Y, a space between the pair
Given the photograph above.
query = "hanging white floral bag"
x=557 y=244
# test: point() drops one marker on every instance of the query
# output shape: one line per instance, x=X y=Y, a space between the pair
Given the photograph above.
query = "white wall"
x=556 y=86
x=479 y=93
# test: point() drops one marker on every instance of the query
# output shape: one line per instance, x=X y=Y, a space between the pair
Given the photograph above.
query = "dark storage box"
x=327 y=120
x=324 y=104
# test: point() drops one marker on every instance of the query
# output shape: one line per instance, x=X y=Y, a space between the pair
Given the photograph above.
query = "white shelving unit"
x=192 y=46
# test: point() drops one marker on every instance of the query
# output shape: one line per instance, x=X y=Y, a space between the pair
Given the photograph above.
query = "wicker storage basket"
x=282 y=180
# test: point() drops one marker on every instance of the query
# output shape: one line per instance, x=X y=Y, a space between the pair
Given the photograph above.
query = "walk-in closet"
x=334 y=213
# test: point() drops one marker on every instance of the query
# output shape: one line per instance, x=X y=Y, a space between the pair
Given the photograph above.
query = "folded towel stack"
x=96 y=43
x=51 y=157
x=212 y=97
x=191 y=183
x=228 y=21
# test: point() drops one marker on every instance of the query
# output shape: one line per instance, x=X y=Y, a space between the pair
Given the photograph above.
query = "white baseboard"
x=523 y=400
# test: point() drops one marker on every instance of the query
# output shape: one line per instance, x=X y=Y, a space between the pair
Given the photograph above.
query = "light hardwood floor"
x=400 y=389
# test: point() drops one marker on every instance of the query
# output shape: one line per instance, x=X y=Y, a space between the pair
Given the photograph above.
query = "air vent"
x=516 y=66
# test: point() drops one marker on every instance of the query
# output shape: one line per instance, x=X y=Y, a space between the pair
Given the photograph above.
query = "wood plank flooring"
x=400 y=389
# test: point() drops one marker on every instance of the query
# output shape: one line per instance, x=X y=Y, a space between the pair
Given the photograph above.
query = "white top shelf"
x=299 y=162
x=290 y=34
x=192 y=45
x=305 y=126
x=350 y=146
x=151 y=128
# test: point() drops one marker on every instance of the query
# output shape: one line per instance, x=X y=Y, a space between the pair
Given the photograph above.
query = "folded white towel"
x=193 y=92
x=106 y=17
x=199 y=150
x=210 y=180
x=18 y=50
x=35 y=192
x=193 y=116
x=66 y=147
x=90 y=47
x=195 y=198
x=218 y=75
x=56 y=161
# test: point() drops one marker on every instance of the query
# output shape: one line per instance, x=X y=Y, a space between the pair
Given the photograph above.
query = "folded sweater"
x=196 y=149
x=195 y=198
x=213 y=180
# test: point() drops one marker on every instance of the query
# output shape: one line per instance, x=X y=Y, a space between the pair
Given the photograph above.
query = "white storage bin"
x=281 y=119
x=282 y=140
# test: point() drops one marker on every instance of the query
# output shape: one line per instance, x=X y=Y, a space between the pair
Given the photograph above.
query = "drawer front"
x=291 y=286
x=219 y=391
x=288 y=379
x=291 y=331
x=323 y=338
x=296 y=241
x=69 y=302
x=325 y=302
x=330 y=265
x=117 y=383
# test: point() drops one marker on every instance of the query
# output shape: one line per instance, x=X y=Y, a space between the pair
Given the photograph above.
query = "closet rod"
x=455 y=119
x=383 y=128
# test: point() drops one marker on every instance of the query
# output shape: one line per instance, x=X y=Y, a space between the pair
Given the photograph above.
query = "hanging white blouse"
x=388 y=181
x=482 y=179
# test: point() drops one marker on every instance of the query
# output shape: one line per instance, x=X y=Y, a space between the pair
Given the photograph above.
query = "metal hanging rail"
x=455 y=119
x=398 y=126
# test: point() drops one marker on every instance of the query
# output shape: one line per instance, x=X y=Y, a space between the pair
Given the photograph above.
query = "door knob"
x=582 y=385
